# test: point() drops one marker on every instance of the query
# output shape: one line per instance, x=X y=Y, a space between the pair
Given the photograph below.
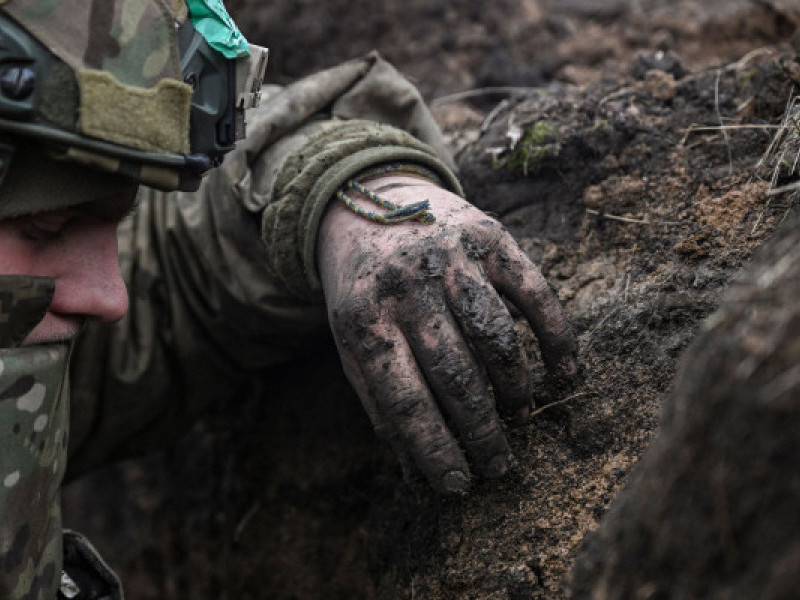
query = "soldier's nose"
x=90 y=283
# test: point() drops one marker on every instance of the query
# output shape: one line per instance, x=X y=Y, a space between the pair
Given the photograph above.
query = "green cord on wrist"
x=397 y=214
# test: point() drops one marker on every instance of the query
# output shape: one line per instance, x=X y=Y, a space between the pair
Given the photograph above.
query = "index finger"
x=514 y=275
x=394 y=393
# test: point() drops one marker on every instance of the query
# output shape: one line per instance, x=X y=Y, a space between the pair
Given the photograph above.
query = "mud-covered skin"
x=424 y=335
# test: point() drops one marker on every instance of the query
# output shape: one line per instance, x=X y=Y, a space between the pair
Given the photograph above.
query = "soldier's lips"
x=55 y=327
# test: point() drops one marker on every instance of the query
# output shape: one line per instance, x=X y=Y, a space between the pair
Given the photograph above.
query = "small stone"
x=666 y=62
x=660 y=85
x=593 y=197
x=455 y=482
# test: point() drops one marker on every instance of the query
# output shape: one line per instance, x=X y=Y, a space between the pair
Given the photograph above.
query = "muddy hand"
x=422 y=330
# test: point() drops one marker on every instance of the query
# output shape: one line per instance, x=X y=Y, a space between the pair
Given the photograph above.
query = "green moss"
x=602 y=127
x=541 y=133
x=745 y=78
x=537 y=148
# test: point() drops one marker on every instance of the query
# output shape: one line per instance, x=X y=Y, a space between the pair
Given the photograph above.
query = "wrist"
x=393 y=187
x=376 y=202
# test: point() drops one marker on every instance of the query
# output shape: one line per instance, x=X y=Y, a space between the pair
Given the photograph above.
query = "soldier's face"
x=77 y=247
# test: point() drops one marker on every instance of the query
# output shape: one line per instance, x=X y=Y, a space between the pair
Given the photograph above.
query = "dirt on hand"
x=630 y=175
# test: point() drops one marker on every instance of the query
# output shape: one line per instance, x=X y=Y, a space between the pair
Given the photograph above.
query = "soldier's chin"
x=55 y=328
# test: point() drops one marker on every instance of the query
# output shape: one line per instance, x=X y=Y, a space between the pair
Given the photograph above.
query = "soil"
x=608 y=164
x=711 y=509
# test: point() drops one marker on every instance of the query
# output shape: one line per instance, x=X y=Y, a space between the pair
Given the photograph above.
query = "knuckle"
x=486 y=430
x=433 y=262
x=354 y=324
x=452 y=372
x=501 y=339
x=475 y=246
x=351 y=315
x=489 y=228
x=403 y=402
x=392 y=282
x=538 y=288
x=468 y=297
x=555 y=325
x=439 y=447
x=351 y=309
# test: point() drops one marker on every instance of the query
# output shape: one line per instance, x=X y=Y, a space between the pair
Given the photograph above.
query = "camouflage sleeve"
x=222 y=282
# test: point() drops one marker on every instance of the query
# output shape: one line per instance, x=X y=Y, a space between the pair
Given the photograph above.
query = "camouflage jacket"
x=222 y=283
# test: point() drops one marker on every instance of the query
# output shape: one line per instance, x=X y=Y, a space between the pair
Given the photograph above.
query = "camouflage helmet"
x=152 y=91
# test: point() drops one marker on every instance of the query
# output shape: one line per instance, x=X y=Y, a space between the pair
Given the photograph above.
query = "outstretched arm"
x=238 y=276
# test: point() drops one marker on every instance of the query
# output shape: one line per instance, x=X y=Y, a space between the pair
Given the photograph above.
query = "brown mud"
x=615 y=177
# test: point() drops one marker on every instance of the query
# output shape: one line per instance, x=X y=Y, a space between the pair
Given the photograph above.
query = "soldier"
x=340 y=205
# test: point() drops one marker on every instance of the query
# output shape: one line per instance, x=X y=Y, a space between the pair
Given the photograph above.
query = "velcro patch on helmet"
x=155 y=119
x=134 y=40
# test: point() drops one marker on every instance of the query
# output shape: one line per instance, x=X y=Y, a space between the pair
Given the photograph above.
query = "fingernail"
x=455 y=482
x=497 y=467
